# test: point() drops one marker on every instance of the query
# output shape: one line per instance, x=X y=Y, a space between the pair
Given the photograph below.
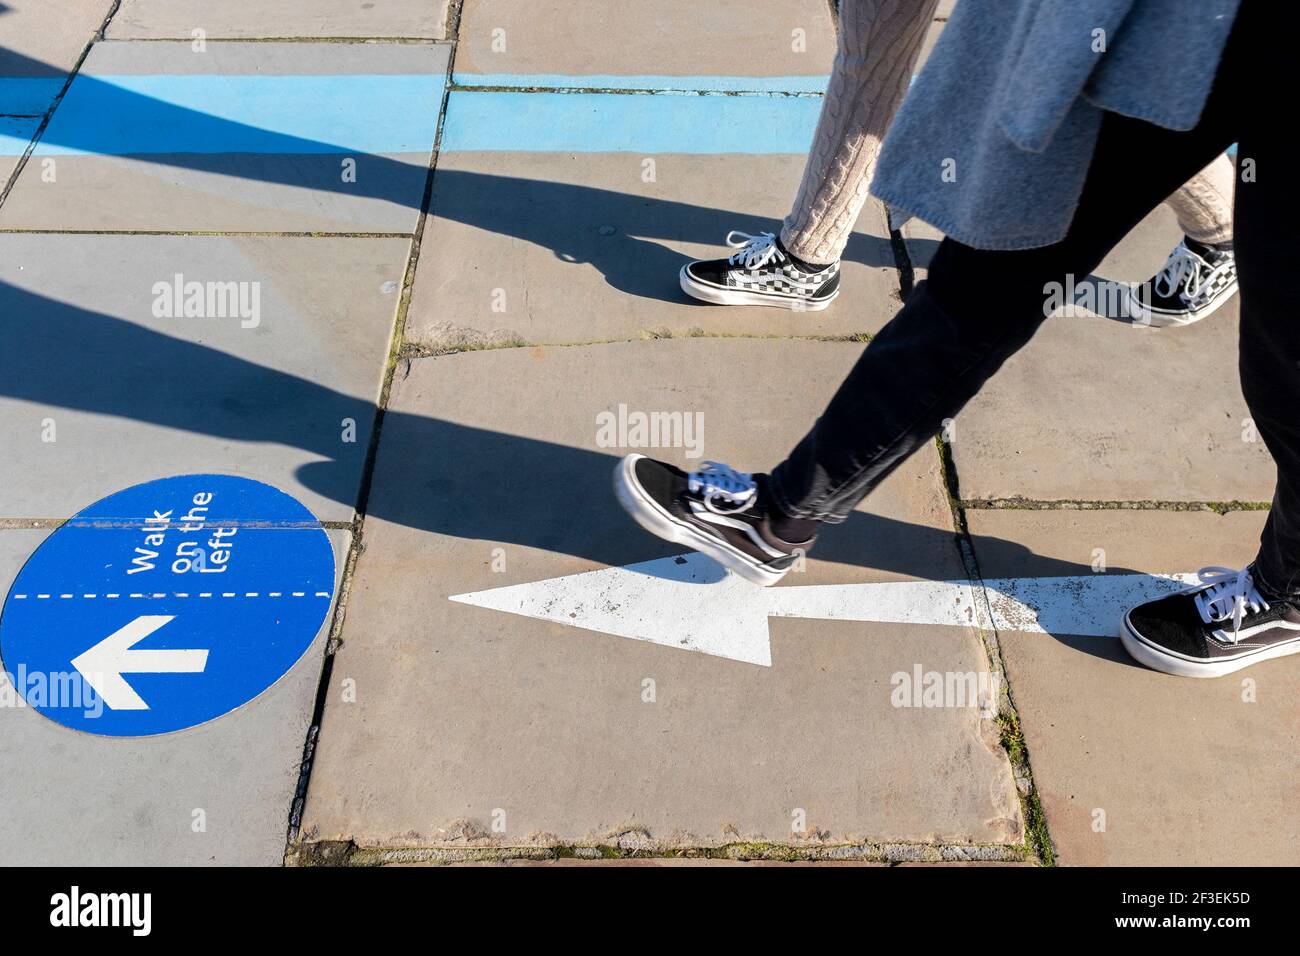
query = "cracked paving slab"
x=449 y=725
x=1133 y=766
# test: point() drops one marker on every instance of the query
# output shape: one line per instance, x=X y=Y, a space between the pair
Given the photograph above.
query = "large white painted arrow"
x=690 y=603
x=104 y=664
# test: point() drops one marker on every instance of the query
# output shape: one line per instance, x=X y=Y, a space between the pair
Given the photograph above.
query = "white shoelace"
x=755 y=251
x=716 y=480
x=1228 y=594
x=1187 y=272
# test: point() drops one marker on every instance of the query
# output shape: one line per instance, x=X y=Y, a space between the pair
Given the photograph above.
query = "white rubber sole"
x=719 y=296
x=1160 y=320
x=1167 y=662
x=649 y=515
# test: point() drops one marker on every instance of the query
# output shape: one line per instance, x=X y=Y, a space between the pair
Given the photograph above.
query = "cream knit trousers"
x=879 y=43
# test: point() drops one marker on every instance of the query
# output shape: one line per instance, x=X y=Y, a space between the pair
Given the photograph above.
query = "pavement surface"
x=414 y=264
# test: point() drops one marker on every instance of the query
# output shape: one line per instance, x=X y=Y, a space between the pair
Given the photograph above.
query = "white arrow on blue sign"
x=167 y=605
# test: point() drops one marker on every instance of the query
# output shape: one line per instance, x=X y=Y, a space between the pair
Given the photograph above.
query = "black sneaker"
x=762 y=272
x=1193 y=283
x=1213 y=628
x=717 y=511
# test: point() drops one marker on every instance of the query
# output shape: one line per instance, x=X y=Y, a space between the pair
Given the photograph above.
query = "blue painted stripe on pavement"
x=16 y=132
x=603 y=123
x=28 y=95
x=117 y=115
x=662 y=83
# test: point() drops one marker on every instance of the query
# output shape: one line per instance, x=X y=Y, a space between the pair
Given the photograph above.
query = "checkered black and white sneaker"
x=761 y=272
x=1193 y=283
x=717 y=511
x=1224 y=623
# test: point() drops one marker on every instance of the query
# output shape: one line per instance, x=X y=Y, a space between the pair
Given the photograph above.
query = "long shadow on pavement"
x=60 y=355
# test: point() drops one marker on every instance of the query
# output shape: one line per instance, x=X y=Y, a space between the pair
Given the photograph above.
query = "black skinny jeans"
x=978 y=307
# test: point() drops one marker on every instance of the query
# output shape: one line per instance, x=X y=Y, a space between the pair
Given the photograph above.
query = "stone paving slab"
x=594 y=43
x=460 y=714
x=40 y=42
x=100 y=360
x=261 y=19
x=546 y=247
x=1096 y=409
x=1186 y=772
x=76 y=799
x=242 y=137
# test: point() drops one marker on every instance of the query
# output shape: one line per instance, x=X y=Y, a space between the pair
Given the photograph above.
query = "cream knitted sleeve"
x=879 y=43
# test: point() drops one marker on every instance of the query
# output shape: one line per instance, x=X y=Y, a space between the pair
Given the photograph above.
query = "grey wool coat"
x=993 y=141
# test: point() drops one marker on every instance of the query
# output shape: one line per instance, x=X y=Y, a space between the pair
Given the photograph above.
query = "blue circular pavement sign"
x=166 y=605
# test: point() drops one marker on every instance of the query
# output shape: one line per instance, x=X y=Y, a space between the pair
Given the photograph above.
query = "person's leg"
x=1200 y=275
x=1236 y=618
x=948 y=340
x=1269 y=359
x=1203 y=204
x=920 y=369
x=879 y=43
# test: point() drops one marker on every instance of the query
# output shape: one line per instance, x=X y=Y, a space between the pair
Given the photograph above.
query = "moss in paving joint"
x=409 y=41
x=347 y=853
x=415 y=350
x=322 y=853
x=626 y=91
x=1016 y=503
x=1038 y=839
